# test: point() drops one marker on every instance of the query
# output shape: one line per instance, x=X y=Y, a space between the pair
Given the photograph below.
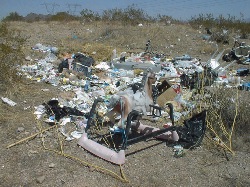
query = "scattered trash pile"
x=85 y=84
x=240 y=52
x=220 y=36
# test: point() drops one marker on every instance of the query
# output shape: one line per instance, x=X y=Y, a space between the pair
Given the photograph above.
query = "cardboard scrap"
x=166 y=96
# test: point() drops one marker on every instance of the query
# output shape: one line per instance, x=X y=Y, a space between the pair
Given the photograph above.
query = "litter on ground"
x=115 y=95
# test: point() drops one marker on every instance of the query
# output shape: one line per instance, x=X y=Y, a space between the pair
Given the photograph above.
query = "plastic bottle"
x=86 y=86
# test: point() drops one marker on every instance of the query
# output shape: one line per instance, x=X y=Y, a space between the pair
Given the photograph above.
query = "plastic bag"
x=193 y=131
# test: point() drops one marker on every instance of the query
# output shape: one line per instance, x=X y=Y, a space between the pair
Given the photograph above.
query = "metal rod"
x=150 y=135
x=92 y=113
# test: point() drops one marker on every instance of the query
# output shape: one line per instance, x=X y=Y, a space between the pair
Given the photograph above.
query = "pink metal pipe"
x=102 y=151
x=170 y=135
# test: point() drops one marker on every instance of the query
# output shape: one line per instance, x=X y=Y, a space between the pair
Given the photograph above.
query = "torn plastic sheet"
x=53 y=108
x=127 y=73
x=43 y=70
x=214 y=64
x=76 y=134
x=102 y=66
x=72 y=135
x=8 y=101
x=50 y=57
x=29 y=68
x=63 y=130
x=183 y=57
x=44 y=66
x=43 y=48
x=193 y=131
x=184 y=64
x=39 y=111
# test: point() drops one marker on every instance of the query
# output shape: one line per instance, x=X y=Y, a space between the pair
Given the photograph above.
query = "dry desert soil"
x=148 y=163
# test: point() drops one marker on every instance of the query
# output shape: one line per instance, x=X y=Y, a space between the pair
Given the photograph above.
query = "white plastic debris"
x=8 y=101
x=26 y=108
x=68 y=137
x=28 y=58
x=76 y=134
x=178 y=151
x=64 y=121
x=39 y=110
x=214 y=64
x=81 y=124
x=102 y=66
x=50 y=120
x=114 y=55
x=62 y=129
x=45 y=89
x=43 y=48
x=51 y=57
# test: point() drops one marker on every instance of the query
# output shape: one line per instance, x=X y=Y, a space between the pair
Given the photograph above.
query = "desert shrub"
x=206 y=21
x=13 y=16
x=107 y=33
x=167 y=20
x=207 y=49
x=11 y=55
x=103 y=52
x=217 y=24
x=62 y=16
x=129 y=15
x=112 y=15
x=134 y=15
x=89 y=15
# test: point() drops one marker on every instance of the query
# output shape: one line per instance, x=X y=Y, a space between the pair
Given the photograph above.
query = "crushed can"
x=178 y=151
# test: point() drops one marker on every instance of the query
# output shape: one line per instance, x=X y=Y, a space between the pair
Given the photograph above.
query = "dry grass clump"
x=207 y=49
x=164 y=39
x=11 y=56
x=228 y=119
x=172 y=40
x=99 y=52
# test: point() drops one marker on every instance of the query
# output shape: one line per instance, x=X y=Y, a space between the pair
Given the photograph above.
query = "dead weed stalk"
x=222 y=118
x=61 y=152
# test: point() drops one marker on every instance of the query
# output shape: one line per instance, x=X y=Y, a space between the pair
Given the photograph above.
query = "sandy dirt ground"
x=148 y=163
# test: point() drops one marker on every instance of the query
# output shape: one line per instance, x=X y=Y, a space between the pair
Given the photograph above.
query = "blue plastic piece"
x=246 y=86
x=242 y=71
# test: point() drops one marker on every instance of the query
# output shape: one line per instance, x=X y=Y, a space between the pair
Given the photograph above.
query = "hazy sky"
x=179 y=9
